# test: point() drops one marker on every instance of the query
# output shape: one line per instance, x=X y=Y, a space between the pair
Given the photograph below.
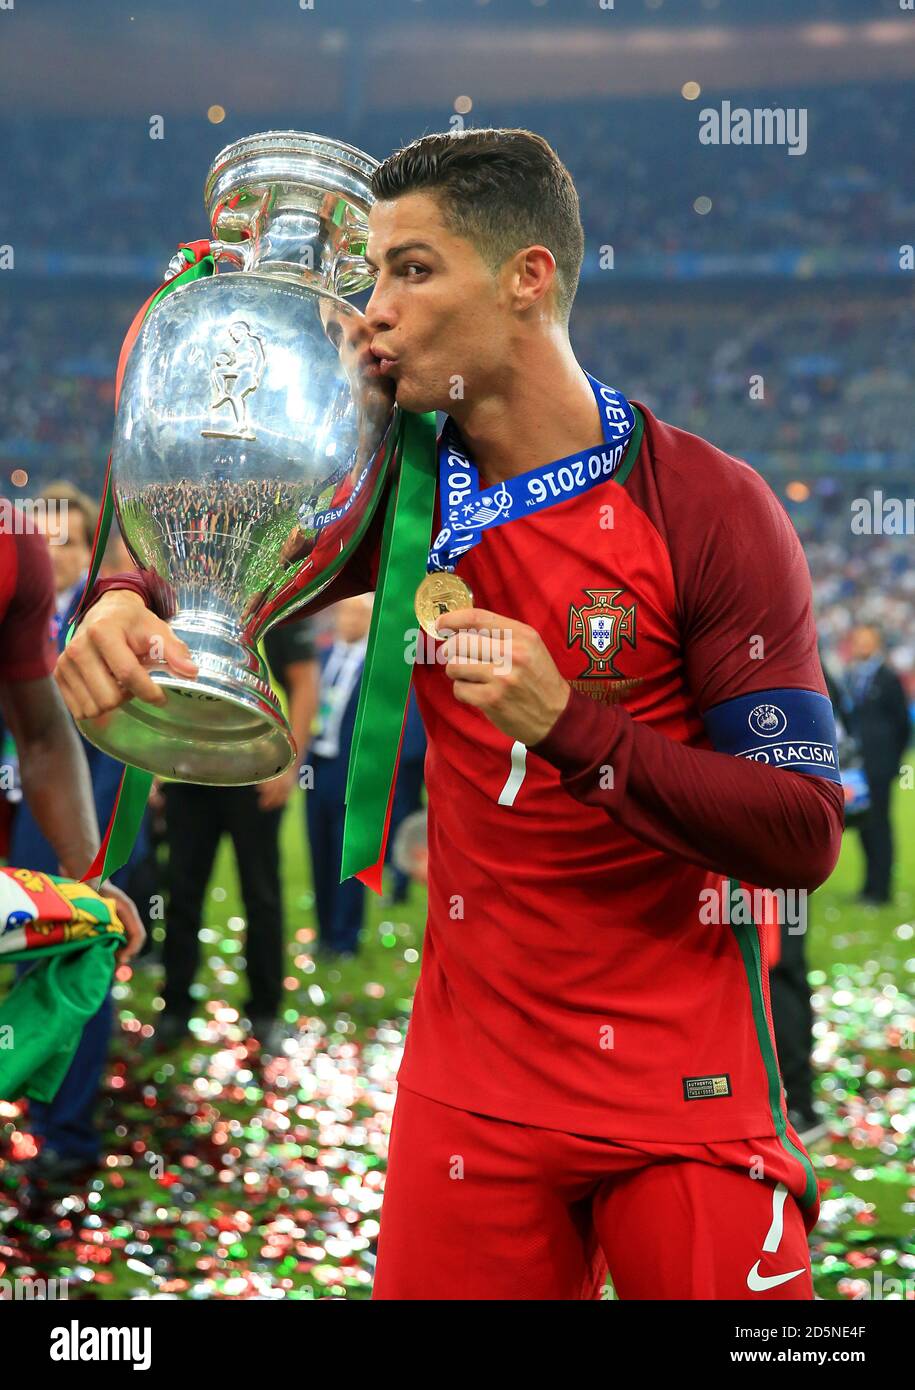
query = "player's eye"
x=414 y=265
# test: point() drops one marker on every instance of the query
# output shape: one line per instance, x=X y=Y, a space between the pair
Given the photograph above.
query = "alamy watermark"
x=24 y=516
x=883 y=516
x=882 y=1287
x=33 y=1290
x=738 y=906
x=76 y=1343
x=758 y=125
x=479 y=644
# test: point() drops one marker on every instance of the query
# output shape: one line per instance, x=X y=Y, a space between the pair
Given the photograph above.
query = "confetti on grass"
x=225 y=1178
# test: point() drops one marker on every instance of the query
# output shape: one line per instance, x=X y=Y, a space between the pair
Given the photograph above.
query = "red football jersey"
x=567 y=980
x=570 y=978
x=27 y=647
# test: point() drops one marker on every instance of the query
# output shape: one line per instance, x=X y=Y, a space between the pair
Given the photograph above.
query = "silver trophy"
x=252 y=442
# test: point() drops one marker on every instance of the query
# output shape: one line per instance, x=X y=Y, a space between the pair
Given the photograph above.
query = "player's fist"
x=112 y=651
x=133 y=924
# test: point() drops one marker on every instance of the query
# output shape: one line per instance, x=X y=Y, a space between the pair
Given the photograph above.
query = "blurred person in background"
x=196 y=818
x=789 y=986
x=410 y=848
x=880 y=721
x=58 y=802
x=69 y=525
x=66 y=1125
x=340 y=907
x=70 y=528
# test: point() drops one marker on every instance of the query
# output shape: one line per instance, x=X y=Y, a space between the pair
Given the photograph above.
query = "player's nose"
x=379 y=312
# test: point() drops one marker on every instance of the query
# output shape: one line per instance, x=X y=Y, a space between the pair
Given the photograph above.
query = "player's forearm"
x=767 y=827
x=57 y=787
x=158 y=596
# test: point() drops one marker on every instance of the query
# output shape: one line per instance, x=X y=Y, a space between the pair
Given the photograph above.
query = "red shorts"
x=480 y=1208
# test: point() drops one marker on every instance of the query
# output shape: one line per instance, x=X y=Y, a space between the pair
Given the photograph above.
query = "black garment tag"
x=706 y=1087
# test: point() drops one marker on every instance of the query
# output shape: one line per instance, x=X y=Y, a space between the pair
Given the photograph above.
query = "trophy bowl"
x=252 y=441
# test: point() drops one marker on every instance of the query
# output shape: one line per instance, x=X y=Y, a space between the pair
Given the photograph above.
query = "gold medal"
x=440 y=592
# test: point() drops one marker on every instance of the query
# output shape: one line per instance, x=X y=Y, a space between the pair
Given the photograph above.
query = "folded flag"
x=70 y=935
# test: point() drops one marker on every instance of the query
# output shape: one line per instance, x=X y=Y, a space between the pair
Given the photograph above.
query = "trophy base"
x=224 y=728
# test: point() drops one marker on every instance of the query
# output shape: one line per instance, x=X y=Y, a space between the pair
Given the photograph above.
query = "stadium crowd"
x=131 y=201
x=807 y=389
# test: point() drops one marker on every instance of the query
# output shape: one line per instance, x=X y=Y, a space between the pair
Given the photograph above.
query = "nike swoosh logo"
x=758 y=1283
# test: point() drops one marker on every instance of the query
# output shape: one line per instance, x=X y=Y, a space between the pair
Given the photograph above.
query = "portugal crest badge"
x=602 y=626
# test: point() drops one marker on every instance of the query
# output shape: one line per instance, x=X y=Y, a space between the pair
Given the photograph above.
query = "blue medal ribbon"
x=467 y=510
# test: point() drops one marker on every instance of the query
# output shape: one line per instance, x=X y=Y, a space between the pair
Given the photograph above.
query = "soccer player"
x=52 y=764
x=590 y=1078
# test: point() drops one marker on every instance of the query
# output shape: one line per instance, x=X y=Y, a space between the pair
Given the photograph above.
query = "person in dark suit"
x=196 y=819
x=339 y=907
x=882 y=725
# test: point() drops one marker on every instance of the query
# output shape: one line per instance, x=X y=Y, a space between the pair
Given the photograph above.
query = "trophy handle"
x=351 y=274
x=237 y=253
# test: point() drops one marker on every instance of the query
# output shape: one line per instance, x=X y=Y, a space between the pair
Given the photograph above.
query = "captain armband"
x=781 y=728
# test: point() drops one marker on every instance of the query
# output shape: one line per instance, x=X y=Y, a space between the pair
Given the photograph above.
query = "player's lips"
x=385 y=361
x=369 y=364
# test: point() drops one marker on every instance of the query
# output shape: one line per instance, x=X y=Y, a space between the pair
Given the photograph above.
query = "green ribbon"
x=133 y=790
x=385 y=684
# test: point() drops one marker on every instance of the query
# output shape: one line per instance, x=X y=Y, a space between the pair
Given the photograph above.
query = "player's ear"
x=532 y=276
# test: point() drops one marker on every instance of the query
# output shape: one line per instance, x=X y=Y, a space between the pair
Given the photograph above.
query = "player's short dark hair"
x=501 y=189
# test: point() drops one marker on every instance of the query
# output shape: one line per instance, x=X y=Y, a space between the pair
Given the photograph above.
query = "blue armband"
x=782 y=728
